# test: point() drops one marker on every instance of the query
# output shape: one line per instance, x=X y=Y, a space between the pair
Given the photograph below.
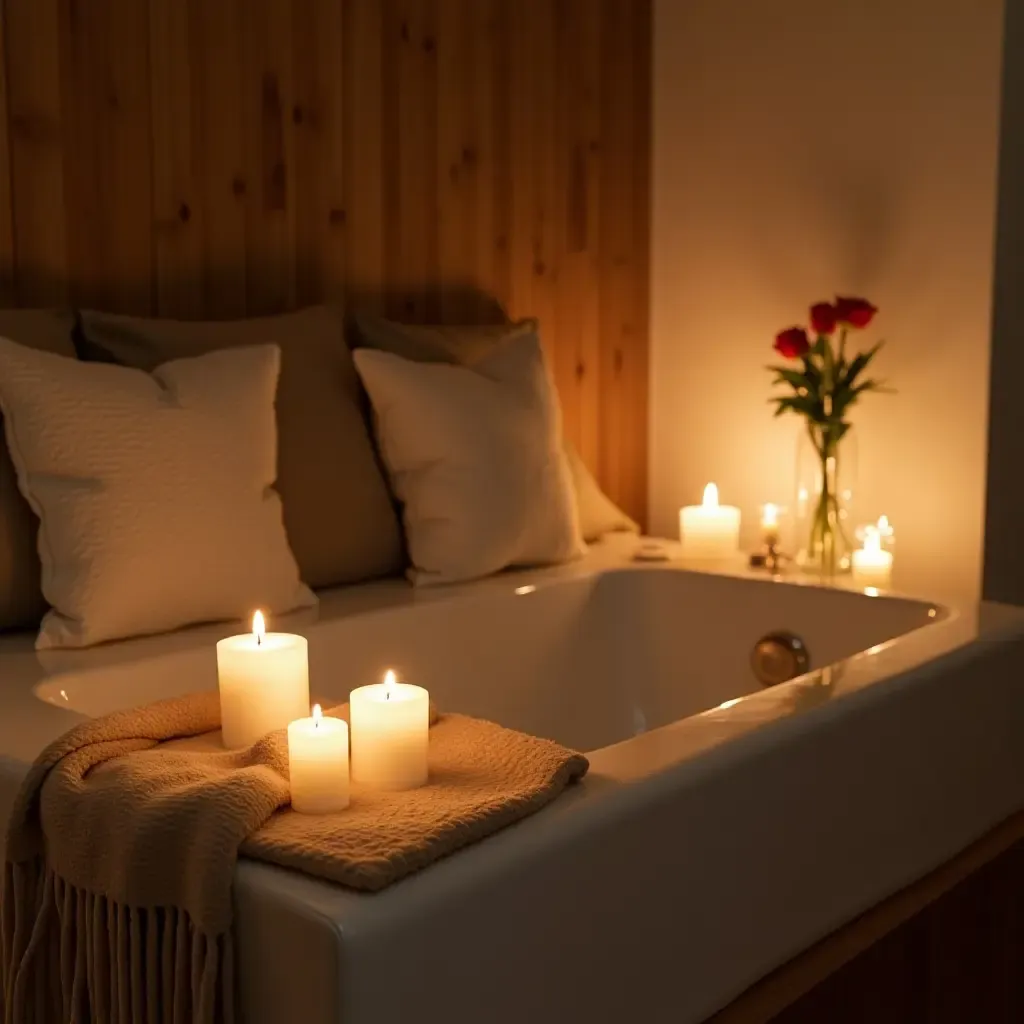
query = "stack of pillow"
x=187 y=472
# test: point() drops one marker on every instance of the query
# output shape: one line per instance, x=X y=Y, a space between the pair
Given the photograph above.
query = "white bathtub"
x=722 y=829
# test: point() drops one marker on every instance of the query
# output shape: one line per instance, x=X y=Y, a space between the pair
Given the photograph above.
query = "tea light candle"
x=264 y=683
x=709 y=530
x=390 y=722
x=318 y=763
x=770 y=525
x=872 y=567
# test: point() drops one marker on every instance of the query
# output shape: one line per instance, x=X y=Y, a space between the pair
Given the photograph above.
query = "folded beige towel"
x=122 y=845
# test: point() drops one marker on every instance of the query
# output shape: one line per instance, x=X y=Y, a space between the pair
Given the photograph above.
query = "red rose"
x=823 y=318
x=792 y=343
x=855 y=312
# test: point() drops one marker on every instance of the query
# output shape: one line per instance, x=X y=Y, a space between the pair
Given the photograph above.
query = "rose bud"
x=792 y=343
x=855 y=312
x=823 y=318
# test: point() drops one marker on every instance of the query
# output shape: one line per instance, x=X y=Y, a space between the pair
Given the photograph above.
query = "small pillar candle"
x=770 y=525
x=264 y=683
x=390 y=723
x=318 y=763
x=872 y=567
x=709 y=530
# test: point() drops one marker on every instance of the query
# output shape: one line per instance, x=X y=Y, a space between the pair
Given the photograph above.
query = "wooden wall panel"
x=35 y=151
x=435 y=159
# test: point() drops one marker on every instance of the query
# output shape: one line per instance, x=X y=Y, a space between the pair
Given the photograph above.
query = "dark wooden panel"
x=948 y=949
x=35 y=148
x=623 y=254
x=364 y=186
x=438 y=159
x=104 y=62
x=319 y=129
x=217 y=61
x=268 y=98
x=7 y=291
x=457 y=173
x=177 y=211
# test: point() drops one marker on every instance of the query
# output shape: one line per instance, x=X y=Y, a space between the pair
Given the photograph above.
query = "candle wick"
x=259 y=639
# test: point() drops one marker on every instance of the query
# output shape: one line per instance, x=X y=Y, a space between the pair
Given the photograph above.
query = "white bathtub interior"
x=588 y=661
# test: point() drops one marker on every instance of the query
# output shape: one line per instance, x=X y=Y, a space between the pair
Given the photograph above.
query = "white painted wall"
x=800 y=149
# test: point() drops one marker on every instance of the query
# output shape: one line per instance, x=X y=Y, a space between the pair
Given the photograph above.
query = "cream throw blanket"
x=122 y=845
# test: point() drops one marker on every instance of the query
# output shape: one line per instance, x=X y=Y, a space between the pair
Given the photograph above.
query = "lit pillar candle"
x=318 y=763
x=709 y=530
x=390 y=721
x=770 y=525
x=264 y=683
x=872 y=567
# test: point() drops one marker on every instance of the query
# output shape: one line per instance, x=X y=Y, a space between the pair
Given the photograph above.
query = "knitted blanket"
x=122 y=845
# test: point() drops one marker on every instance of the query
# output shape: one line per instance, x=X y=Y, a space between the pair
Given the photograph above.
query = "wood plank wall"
x=223 y=158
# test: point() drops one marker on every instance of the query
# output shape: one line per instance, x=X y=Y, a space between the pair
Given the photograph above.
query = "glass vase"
x=826 y=476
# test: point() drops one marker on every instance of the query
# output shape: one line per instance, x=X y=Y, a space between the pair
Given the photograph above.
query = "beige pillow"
x=21 y=600
x=465 y=345
x=341 y=521
x=154 y=491
x=475 y=456
x=599 y=515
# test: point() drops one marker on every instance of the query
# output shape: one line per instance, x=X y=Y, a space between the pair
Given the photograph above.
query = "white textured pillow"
x=154 y=491
x=463 y=346
x=476 y=458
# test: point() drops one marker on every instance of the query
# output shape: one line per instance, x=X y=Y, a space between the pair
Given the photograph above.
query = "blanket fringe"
x=73 y=956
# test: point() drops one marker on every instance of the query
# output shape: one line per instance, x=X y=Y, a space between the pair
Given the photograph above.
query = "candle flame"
x=711 y=496
x=317 y=715
x=770 y=515
x=259 y=627
x=883 y=526
x=389 y=683
x=872 y=539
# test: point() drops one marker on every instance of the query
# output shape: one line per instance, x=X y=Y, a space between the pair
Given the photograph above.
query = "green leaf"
x=794 y=378
x=858 y=364
x=812 y=373
x=805 y=405
x=787 y=404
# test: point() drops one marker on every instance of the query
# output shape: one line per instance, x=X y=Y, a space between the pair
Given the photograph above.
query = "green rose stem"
x=826 y=522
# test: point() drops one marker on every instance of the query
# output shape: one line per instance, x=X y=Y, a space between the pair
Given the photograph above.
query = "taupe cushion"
x=21 y=599
x=467 y=345
x=338 y=512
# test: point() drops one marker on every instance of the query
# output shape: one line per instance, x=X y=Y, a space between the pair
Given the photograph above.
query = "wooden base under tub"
x=947 y=950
